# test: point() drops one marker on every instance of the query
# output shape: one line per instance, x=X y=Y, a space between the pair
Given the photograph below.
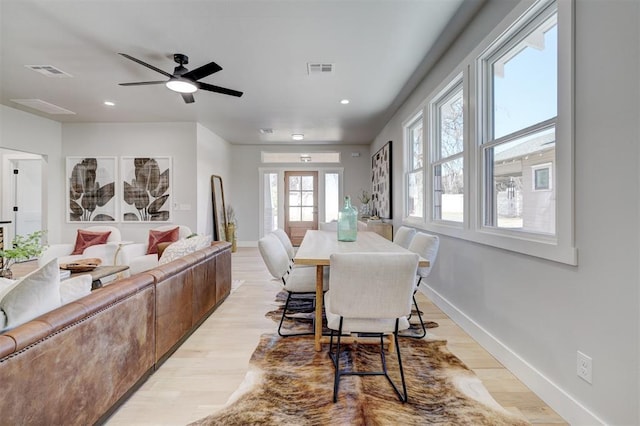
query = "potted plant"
x=22 y=248
x=232 y=226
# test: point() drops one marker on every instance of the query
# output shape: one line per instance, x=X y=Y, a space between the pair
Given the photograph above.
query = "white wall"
x=177 y=140
x=535 y=314
x=26 y=132
x=243 y=192
x=213 y=158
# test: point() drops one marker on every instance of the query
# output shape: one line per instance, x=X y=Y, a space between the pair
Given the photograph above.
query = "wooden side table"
x=381 y=228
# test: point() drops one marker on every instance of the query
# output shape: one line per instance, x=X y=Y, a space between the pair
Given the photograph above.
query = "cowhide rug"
x=289 y=383
x=302 y=313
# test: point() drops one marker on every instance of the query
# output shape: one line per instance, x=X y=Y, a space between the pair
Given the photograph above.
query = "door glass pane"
x=451 y=126
x=294 y=183
x=294 y=199
x=307 y=214
x=307 y=198
x=518 y=204
x=415 y=194
x=331 y=196
x=452 y=190
x=307 y=183
x=525 y=81
x=294 y=214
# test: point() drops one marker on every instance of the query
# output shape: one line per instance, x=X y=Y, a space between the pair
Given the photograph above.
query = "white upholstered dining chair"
x=404 y=236
x=369 y=293
x=426 y=246
x=295 y=281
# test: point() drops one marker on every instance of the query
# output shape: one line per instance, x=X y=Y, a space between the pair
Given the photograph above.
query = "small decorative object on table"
x=232 y=227
x=347 y=221
x=82 y=265
x=22 y=248
x=364 y=198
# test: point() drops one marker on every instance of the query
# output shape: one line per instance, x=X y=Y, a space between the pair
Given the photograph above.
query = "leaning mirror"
x=219 y=211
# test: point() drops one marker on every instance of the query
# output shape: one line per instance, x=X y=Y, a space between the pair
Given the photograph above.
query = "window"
x=447 y=147
x=331 y=196
x=500 y=140
x=414 y=175
x=270 y=200
x=541 y=177
x=521 y=98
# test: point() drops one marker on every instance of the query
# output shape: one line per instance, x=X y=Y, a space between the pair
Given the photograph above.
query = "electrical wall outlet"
x=585 y=367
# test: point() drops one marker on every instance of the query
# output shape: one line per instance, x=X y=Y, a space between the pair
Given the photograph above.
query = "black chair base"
x=335 y=358
x=284 y=315
x=424 y=328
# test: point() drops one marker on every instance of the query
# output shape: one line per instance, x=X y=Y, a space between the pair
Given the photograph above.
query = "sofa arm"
x=54 y=251
x=129 y=252
x=104 y=252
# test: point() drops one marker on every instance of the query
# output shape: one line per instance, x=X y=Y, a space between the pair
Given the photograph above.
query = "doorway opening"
x=277 y=201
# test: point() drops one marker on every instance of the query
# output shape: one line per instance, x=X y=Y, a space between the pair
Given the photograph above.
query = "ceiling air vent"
x=317 y=68
x=49 y=71
x=43 y=106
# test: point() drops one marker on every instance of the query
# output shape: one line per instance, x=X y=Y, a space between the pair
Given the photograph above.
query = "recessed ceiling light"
x=344 y=101
x=297 y=136
x=266 y=131
x=109 y=103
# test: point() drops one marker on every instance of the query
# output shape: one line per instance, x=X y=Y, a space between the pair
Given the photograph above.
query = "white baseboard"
x=564 y=404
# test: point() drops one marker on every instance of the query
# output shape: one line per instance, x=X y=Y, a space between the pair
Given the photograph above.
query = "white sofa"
x=105 y=252
x=135 y=255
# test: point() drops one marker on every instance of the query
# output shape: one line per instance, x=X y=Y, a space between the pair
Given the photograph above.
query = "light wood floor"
x=201 y=375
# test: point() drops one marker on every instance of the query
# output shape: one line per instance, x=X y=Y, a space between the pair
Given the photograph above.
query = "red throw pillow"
x=156 y=237
x=86 y=239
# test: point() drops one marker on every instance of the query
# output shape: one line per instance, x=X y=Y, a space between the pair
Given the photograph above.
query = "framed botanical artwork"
x=91 y=189
x=146 y=189
x=381 y=182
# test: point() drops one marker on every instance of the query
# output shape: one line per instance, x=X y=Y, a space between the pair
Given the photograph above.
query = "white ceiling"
x=380 y=48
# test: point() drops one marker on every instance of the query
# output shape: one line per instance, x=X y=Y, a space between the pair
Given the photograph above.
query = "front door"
x=300 y=204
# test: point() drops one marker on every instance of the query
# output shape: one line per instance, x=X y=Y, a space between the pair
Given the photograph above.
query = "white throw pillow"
x=184 y=247
x=75 y=288
x=33 y=295
x=5 y=286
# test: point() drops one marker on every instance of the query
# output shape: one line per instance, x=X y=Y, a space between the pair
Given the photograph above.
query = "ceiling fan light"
x=181 y=86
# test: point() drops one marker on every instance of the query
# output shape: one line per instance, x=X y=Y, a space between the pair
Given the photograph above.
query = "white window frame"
x=452 y=87
x=408 y=169
x=561 y=247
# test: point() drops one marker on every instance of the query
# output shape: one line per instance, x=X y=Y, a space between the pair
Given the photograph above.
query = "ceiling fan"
x=182 y=80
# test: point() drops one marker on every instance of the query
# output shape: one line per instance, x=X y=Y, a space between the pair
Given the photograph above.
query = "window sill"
x=544 y=249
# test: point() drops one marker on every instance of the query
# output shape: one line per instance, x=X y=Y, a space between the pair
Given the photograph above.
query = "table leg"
x=319 y=301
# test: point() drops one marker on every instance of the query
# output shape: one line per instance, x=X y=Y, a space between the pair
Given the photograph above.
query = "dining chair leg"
x=284 y=314
x=336 y=362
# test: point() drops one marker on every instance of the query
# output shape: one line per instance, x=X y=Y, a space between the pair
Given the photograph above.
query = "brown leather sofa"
x=75 y=364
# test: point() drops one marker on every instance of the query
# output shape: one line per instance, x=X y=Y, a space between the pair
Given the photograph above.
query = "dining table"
x=316 y=250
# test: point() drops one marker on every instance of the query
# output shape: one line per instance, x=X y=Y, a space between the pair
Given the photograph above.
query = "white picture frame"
x=91 y=189
x=146 y=189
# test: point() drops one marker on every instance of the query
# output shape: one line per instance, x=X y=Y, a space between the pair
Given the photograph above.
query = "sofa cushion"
x=86 y=239
x=32 y=296
x=184 y=247
x=156 y=237
x=75 y=288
